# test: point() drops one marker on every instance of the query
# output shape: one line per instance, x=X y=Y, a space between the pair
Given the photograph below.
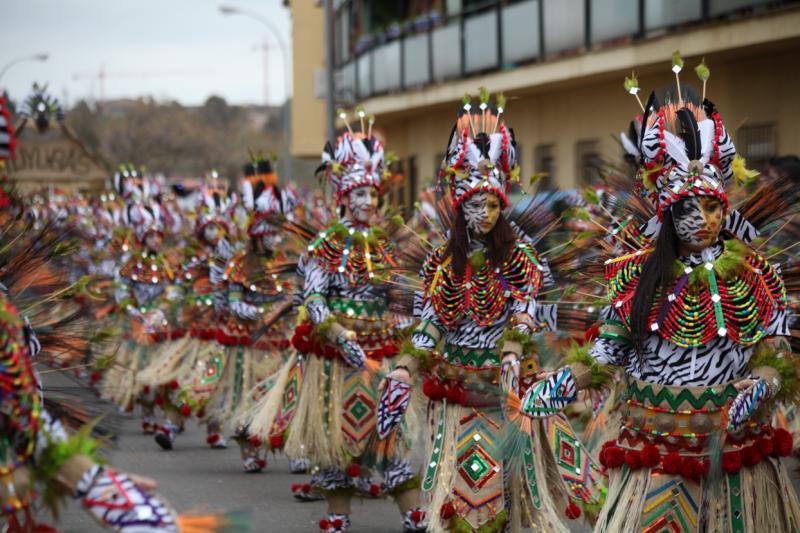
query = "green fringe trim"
x=728 y=265
x=320 y=331
x=53 y=458
x=411 y=484
x=788 y=368
x=513 y=335
x=477 y=259
x=374 y=234
x=601 y=374
x=423 y=356
x=459 y=525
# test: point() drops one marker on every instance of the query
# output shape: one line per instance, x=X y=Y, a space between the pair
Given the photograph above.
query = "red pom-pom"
x=781 y=443
x=374 y=490
x=671 y=463
x=650 y=456
x=731 y=462
x=173 y=385
x=433 y=389
x=751 y=456
x=146 y=389
x=455 y=394
x=390 y=350
x=573 y=511
x=186 y=411
x=417 y=516
x=323 y=524
x=691 y=468
x=95 y=376
x=276 y=442
x=262 y=463
x=765 y=446
x=296 y=487
x=307 y=487
x=592 y=333
x=353 y=470
x=255 y=441
x=159 y=400
x=338 y=523
x=447 y=511
x=634 y=459
x=213 y=438
x=615 y=457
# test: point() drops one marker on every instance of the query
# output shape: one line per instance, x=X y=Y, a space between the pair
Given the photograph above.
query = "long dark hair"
x=658 y=271
x=498 y=242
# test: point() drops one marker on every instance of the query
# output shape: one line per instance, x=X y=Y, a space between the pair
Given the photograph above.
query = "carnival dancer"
x=186 y=369
x=347 y=331
x=479 y=300
x=697 y=320
x=144 y=285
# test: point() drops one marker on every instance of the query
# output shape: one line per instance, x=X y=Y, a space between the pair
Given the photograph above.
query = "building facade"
x=561 y=64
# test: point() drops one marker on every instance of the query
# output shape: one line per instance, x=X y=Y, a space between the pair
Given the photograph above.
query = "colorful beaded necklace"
x=734 y=296
x=482 y=293
x=146 y=267
x=360 y=253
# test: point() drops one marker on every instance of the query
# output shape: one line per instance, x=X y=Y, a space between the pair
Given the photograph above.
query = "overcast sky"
x=183 y=50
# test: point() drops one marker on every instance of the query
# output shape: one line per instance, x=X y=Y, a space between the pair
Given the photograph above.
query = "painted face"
x=698 y=221
x=481 y=211
x=212 y=234
x=153 y=241
x=270 y=241
x=363 y=202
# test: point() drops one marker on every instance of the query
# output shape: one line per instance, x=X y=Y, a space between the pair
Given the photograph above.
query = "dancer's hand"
x=351 y=351
x=509 y=373
x=393 y=404
x=753 y=392
x=550 y=395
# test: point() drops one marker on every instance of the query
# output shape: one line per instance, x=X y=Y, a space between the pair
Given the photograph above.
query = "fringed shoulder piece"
x=482 y=294
x=734 y=296
x=362 y=255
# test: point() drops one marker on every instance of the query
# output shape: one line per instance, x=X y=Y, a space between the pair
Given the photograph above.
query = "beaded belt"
x=465 y=376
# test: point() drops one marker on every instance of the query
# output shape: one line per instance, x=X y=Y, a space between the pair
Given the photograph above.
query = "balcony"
x=505 y=34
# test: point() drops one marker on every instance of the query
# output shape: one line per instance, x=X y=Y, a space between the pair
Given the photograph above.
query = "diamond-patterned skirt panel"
x=672 y=504
x=579 y=471
x=359 y=400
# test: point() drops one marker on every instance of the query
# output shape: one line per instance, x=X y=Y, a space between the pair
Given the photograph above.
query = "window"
x=757 y=144
x=544 y=162
x=588 y=162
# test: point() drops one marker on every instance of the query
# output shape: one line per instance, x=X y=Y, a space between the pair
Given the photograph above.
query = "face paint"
x=270 y=241
x=212 y=234
x=698 y=221
x=481 y=211
x=362 y=203
x=153 y=241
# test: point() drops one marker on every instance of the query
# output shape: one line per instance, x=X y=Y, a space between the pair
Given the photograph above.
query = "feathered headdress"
x=357 y=161
x=263 y=197
x=133 y=185
x=481 y=153
x=683 y=148
x=216 y=205
x=145 y=218
x=7 y=140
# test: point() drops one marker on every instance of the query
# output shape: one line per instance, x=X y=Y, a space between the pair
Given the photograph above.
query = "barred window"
x=757 y=144
x=588 y=162
x=544 y=161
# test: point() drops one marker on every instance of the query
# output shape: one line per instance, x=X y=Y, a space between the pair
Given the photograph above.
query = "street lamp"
x=35 y=57
x=230 y=10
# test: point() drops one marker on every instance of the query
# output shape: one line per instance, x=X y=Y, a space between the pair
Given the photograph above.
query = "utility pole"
x=329 y=93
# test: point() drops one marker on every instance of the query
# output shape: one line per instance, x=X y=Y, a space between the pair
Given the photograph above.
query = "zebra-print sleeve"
x=427 y=315
x=610 y=351
x=778 y=324
x=316 y=283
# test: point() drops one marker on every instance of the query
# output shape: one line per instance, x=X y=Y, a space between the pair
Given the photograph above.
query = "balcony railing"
x=507 y=34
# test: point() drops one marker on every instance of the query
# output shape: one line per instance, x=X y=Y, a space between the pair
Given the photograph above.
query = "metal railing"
x=506 y=34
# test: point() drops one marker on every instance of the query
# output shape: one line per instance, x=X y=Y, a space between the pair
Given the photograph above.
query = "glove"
x=747 y=402
x=351 y=352
x=394 y=402
x=119 y=503
x=550 y=395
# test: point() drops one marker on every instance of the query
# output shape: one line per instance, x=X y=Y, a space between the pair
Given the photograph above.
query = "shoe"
x=252 y=465
x=335 y=523
x=165 y=435
x=415 y=521
x=148 y=425
x=298 y=466
x=304 y=492
x=216 y=441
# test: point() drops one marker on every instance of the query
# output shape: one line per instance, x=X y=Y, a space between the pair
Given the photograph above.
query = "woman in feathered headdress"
x=697 y=319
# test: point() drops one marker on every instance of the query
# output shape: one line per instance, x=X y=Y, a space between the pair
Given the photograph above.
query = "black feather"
x=651 y=105
x=258 y=189
x=709 y=107
x=690 y=133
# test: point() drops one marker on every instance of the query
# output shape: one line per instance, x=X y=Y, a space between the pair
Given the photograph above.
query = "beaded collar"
x=481 y=295
x=732 y=296
x=147 y=267
x=360 y=253
x=251 y=273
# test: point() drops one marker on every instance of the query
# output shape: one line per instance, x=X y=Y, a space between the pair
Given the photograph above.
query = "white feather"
x=495 y=147
x=676 y=149
x=628 y=145
x=473 y=155
x=706 y=139
x=361 y=152
x=247 y=195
